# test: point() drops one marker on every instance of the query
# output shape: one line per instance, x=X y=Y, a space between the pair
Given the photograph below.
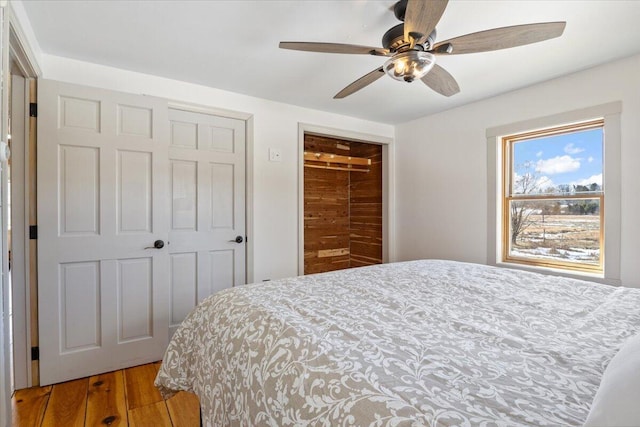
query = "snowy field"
x=573 y=238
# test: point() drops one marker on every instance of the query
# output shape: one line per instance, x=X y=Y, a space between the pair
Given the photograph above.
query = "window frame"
x=611 y=112
x=508 y=195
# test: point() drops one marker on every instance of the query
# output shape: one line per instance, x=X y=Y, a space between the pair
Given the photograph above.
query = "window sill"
x=593 y=277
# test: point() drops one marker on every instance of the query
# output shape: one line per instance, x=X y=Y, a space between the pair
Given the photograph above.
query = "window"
x=524 y=149
x=553 y=197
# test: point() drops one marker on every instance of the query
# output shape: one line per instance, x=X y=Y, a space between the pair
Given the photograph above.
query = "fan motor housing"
x=394 y=40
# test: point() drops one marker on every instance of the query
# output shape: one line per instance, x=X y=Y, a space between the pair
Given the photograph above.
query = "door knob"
x=238 y=239
x=158 y=244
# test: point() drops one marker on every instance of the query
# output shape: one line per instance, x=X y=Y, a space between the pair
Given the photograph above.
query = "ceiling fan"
x=412 y=46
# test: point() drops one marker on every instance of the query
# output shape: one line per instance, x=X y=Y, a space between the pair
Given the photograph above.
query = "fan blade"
x=421 y=18
x=441 y=81
x=363 y=81
x=335 y=48
x=501 y=38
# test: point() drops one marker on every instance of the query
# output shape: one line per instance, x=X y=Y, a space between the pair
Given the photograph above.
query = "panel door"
x=102 y=202
x=207 y=214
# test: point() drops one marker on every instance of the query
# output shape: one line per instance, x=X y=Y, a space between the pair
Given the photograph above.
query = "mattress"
x=420 y=343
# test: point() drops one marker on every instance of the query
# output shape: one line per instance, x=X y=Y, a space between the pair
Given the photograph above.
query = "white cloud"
x=558 y=164
x=572 y=149
x=590 y=159
x=588 y=181
x=539 y=154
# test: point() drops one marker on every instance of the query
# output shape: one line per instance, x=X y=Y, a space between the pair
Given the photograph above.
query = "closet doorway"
x=343 y=203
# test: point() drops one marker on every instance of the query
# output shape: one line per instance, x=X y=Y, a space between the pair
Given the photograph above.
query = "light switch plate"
x=275 y=155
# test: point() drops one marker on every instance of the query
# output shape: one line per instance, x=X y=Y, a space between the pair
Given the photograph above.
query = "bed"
x=420 y=343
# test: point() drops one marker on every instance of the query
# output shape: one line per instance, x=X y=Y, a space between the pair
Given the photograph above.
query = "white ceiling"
x=233 y=45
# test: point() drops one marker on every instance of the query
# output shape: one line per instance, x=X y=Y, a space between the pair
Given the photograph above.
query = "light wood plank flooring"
x=120 y=398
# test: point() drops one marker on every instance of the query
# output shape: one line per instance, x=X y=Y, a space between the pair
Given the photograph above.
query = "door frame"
x=388 y=185
x=248 y=206
x=18 y=53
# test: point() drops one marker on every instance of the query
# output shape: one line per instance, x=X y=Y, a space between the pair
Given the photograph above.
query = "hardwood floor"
x=120 y=398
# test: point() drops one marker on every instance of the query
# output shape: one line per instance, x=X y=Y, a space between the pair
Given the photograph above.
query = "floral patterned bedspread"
x=421 y=343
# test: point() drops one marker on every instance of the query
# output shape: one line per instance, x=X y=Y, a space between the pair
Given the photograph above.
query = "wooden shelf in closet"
x=335 y=162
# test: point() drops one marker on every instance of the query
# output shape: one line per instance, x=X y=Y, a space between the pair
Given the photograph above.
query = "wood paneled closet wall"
x=342 y=208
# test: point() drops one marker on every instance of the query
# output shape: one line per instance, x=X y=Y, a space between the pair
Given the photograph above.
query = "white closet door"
x=207 y=192
x=102 y=201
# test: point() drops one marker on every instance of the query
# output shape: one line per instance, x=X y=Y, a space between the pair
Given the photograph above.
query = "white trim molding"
x=19 y=44
x=18 y=56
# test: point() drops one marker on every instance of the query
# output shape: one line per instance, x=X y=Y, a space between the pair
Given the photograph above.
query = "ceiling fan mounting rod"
x=399 y=9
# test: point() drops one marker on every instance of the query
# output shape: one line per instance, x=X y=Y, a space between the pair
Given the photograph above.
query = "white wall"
x=445 y=155
x=275 y=203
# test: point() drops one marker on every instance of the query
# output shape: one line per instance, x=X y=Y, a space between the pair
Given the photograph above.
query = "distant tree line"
x=529 y=183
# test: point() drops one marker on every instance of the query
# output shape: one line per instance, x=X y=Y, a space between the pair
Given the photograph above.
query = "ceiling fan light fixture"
x=409 y=66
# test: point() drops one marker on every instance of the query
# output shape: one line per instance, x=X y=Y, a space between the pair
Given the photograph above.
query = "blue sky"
x=574 y=158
